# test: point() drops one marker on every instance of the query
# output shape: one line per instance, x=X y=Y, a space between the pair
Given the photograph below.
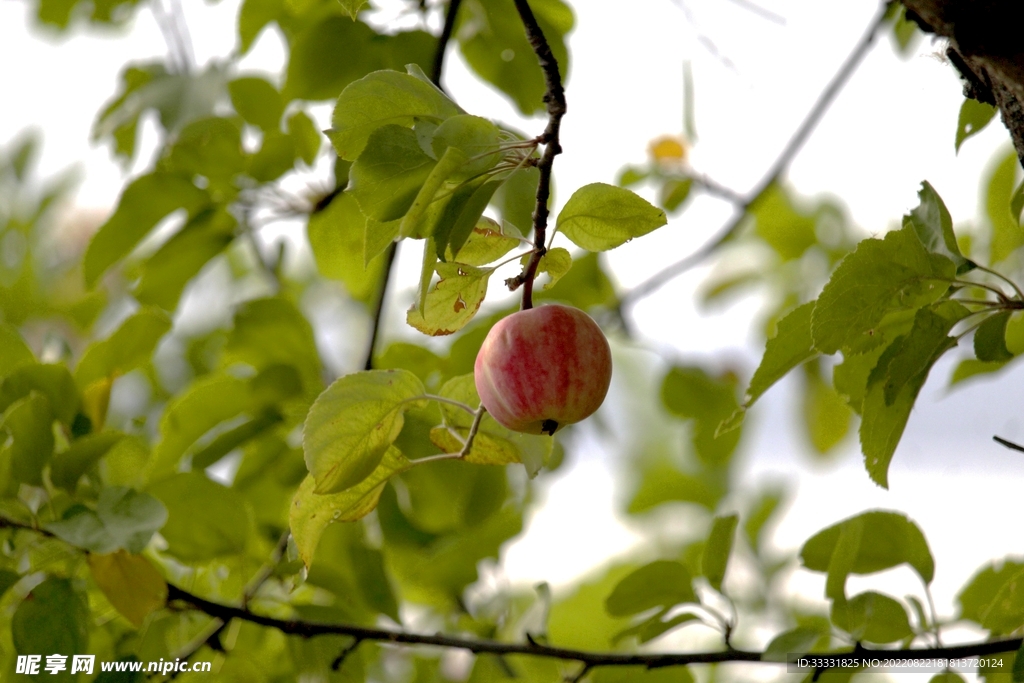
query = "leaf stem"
x=1020 y=294
x=442 y=399
x=555 y=99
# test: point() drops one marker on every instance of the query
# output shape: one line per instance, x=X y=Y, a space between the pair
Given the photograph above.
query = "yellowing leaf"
x=556 y=263
x=95 y=399
x=487 y=242
x=131 y=583
x=312 y=512
x=453 y=301
x=668 y=150
x=353 y=423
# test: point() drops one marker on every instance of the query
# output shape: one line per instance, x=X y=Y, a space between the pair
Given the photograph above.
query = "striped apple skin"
x=543 y=368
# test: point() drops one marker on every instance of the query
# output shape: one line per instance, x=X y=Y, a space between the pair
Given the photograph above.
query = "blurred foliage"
x=233 y=456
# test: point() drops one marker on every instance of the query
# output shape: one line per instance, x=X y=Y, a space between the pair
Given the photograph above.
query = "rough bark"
x=985 y=46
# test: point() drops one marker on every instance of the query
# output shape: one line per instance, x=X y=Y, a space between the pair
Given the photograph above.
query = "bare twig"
x=776 y=170
x=555 y=100
x=378 y=310
x=1009 y=444
x=389 y=259
x=443 y=40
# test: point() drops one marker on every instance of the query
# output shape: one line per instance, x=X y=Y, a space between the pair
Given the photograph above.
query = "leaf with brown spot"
x=453 y=301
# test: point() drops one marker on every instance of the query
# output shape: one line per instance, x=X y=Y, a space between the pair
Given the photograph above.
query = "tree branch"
x=443 y=40
x=589 y=659
x=389 y=259
x=555 y=100
x=776 y=170
x=378 y=310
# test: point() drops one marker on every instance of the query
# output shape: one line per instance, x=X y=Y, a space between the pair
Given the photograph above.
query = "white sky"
x=891 y=127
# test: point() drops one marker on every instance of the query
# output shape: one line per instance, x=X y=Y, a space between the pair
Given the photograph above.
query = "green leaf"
x=334 y=52
x=663 y=583
x=673 y=193
x=934 y=227
x=843 y=558
x=69 y=466
x=990 y=338
x=718 y=548
x=377 y=237
x=352 y=7
x=762 y=509
x=516 y=199
x=880 y=277
x=336 y=235
x=799 y=640
x=305 y=135
x=351 y=425
x=131 y=583
x=493 y=42
x=651 y=628
x=1007 y=233
x=791 y=346
x=447 y=166
x=494 y=444
x=1005 y=614
x=29 y=424
x=894 y=383
x=971 y=367
x=476 y=137
x=389 y=173
x=1017 y=202
x=123 y=519
x=14 y=352
x=274 y=158
x=236 y=437
x=872 y=617
x=166 y=273
x=555 y=262
x=273 y=331
x=599 y=217
x=144 y=203
x=690 y=393
x=257 y=101
x=486 y=243
x=52 y=381
x=223 y=527
x=384 y=98
x=461 y=214
x=211 y=148
x=54 y=618
x=7 y=579
x=973 y=118
x=129 y=347
x=887 y=539
x=976 y=598
x=826 y=414
x=192 y=413
x=788 y=229
x=312 y=512
x=453 y=301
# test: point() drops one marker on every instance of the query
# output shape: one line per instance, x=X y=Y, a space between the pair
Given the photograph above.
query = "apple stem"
x=555 y=100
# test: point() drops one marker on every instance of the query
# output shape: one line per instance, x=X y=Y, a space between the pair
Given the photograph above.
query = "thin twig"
x=442 y=41
x=592 y=659
x=555 y=100
x=473 y=428
x=1009 y=444
x=389 y=259
x=378 y=310
x=776 y=170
